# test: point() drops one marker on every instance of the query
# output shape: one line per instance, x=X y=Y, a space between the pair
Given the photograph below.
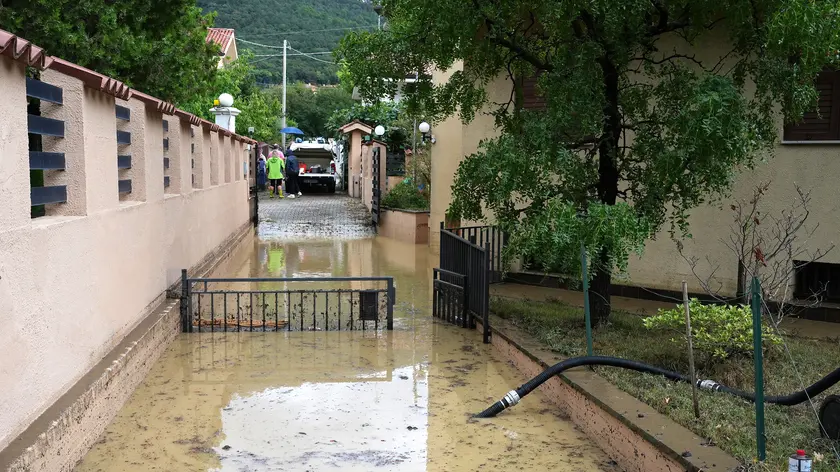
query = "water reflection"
x=336 y=400
x=314 y=258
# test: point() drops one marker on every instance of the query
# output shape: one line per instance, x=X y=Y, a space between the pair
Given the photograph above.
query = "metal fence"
x=287 y=304
x=490 y=238
x=460 y=256
x=449 y=298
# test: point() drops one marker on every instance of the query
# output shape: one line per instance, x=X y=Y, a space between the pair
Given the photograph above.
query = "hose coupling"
x=708 y=385
x=511 y=399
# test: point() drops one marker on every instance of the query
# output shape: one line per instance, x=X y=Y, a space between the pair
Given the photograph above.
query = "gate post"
x=486 y=295
x=391 y=295
x=466 y=321
x=185 y=296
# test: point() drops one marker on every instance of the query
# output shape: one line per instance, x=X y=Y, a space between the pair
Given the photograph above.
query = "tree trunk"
x=599 y=293
x=741 y=291
x=608 y=151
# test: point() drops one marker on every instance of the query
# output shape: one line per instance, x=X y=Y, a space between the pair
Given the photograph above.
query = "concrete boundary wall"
x=632 y=433
x=67 y=430
x=76 y=282
x=408 y=226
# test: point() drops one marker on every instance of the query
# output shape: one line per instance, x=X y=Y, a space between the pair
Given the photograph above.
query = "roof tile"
x=220 y=36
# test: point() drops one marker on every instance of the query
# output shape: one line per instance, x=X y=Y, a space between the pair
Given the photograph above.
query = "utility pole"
x=378 y=9
x=285 y=46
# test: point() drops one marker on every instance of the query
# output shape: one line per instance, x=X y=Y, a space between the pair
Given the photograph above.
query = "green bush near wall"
x=404 y=196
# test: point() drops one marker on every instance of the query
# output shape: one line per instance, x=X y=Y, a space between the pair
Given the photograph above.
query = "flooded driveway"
x=350 y=400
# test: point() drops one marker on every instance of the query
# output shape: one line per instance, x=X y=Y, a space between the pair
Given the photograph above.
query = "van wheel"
x=331 y=188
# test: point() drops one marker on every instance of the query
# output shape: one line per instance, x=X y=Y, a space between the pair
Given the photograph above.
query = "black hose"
x=514 y=396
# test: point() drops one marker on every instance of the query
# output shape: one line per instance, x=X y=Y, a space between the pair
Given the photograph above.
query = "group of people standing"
x=277 y=169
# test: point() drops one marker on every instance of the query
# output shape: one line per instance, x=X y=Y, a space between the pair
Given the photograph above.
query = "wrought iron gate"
x=449 y=298
x=375 y=172
x=491 y=239
x=287 y=304
x=463 y=278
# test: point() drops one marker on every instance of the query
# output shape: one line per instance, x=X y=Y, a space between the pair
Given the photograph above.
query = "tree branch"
x=672 y=57
x=510 y=44
x=664 y=25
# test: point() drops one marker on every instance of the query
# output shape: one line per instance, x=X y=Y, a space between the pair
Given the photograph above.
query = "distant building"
x=315 y=87
x=396 y=99
x=225 y=38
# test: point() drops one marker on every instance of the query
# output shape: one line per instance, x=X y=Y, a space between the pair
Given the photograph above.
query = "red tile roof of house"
x=220 y=36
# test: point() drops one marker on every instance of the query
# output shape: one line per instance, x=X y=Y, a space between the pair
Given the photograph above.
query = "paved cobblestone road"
x=314 y=216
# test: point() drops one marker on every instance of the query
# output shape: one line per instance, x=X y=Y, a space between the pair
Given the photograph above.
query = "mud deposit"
x=349 y=401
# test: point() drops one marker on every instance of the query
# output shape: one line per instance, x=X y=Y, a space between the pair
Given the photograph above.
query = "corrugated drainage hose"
x=514 y=396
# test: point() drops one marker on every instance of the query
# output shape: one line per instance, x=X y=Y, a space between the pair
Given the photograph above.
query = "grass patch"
x=725 y=420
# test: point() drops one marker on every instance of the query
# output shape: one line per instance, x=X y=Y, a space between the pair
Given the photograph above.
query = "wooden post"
x=586 y=315
x=692 y=374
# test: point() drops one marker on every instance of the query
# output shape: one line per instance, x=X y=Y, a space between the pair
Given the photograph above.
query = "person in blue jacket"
x=292 y=171
x=261 y=175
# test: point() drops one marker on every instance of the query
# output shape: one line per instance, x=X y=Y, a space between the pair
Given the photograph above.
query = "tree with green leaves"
x=378 y=113
x=644 y=117
x=312 y=110
x=259 y=109
x=155 y=46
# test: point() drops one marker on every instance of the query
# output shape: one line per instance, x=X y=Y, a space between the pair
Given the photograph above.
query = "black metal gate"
x=449 y=301
x=287 y=304
x=375 y=172
x=491 y=239
x=465 y=273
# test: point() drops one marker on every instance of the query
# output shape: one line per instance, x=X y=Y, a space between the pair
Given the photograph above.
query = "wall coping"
x=356 y=125
x=31 y=55
x=655 y=428
x=406 y=210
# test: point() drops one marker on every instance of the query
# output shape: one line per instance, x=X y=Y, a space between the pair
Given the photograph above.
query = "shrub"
x=405 y=197
x=718 y=331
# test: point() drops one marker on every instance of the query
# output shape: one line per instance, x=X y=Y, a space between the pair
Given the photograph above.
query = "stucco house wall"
x=661 y=265
x=455 y=140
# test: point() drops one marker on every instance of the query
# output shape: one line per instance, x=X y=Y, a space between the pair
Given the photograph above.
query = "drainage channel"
x=336 y=400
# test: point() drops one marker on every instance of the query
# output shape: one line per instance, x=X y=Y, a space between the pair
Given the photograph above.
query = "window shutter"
x=531 y=99
x=825 y=125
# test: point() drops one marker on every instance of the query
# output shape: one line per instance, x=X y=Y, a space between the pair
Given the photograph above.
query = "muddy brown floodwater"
x=349 y=401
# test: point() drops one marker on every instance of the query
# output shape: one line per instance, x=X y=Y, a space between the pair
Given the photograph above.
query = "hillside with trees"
x=308 y=25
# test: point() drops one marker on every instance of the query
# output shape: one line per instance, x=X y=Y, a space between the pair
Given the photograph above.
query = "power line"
x=312 y=57
x=293 y=54
x=312 y=31
x=267 y=57
x=258 y=44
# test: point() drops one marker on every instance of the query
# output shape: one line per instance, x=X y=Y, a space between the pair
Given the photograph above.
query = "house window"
x=822 y=123
x=815 y=279
x=531 y=99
